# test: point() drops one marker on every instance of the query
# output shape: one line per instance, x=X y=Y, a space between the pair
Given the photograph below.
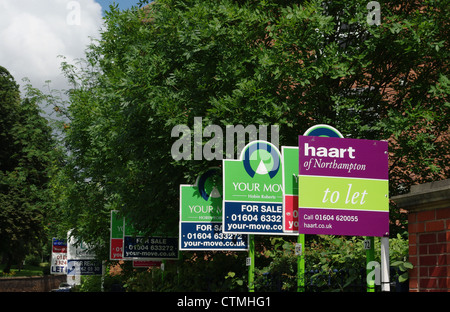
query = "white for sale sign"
x=59 y=257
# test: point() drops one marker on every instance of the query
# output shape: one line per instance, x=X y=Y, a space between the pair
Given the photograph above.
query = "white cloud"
x=34 y=32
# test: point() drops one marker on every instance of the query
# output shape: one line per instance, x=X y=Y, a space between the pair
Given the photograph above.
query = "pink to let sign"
x=343 y=186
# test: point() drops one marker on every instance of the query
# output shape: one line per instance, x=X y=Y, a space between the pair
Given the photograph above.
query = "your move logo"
x=207 y=184
x=263 y=157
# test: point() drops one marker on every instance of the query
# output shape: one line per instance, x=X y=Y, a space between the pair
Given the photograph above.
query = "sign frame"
x=80 y=259
x=167 y=246
x=290 y=194
x=58 y=264
x=264 y=210
x=356 y=171
x=203 y=231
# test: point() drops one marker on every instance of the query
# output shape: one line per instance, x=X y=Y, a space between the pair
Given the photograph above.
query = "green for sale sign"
x=137 y=247
x=116 y=236
x=198 y=209
x=202 y=202
x=290 y=188
x=253 y=191
x=201 y=216
x=118 y=224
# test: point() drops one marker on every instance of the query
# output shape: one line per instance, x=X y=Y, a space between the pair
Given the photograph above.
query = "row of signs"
x=325 y=185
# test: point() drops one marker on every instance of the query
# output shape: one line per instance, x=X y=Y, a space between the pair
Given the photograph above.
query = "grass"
x=26 y=270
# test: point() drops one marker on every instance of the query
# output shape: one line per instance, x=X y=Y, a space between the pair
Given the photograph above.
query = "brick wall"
x=31 y=284
x=429 y=236
x=429 y=250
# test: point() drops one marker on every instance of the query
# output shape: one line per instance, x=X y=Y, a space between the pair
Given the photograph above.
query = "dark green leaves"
x=253 y=62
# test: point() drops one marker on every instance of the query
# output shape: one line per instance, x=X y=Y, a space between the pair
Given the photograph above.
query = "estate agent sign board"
x=343 y=186
x=59 y=256
x=252 y=191
x=201 y=216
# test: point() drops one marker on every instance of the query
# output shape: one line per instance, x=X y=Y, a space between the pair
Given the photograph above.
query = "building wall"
x=31 y=284
x=428 y=206
x=429 y=250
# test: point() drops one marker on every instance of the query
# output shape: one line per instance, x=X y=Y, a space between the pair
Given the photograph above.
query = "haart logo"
x=261 y=157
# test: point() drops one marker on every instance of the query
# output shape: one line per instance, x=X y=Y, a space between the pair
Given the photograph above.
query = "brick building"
x=428 y=207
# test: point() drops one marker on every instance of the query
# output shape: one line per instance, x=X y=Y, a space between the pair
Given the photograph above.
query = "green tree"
x=255 y=62
x=25 y=157
x=293 y=64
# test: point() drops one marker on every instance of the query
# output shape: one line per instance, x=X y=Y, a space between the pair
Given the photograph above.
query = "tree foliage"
x=26 y=155
x=277 y=62
x=254 y=62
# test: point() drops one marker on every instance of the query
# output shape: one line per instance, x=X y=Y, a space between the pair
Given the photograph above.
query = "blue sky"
x=123 y=4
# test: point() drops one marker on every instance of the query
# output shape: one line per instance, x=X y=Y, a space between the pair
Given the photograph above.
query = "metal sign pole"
x=370 y=256
x=301 y=264
x=385 y=285
x=251 y=267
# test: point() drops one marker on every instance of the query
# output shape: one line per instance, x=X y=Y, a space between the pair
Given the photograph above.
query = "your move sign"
x=201 y=216
x=253 y=191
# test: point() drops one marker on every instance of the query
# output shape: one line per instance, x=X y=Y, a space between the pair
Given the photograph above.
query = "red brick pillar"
x=428 y=206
